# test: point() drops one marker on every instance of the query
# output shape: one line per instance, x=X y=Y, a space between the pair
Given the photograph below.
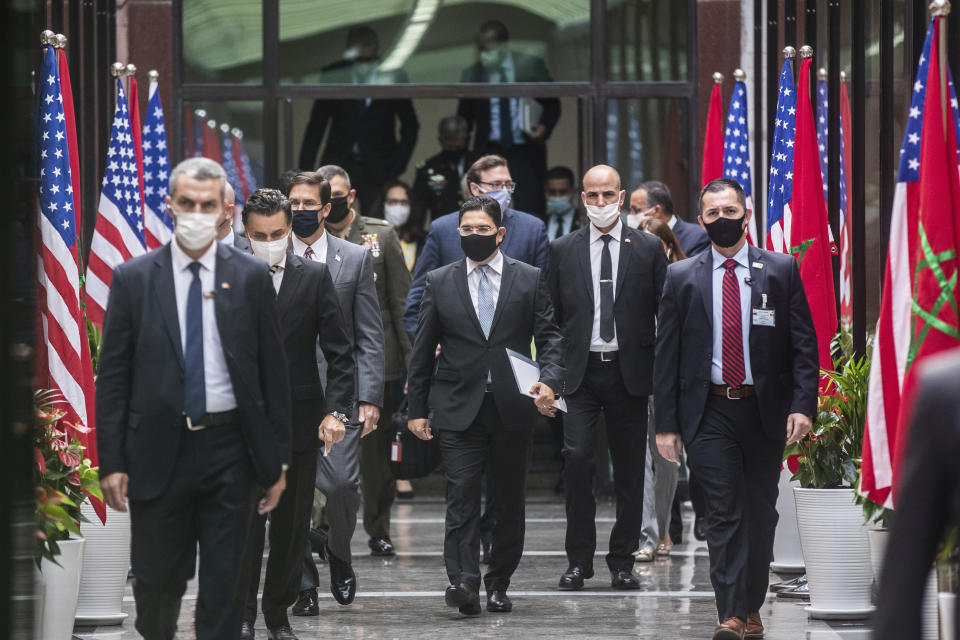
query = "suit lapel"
x=292 y=275
x=167 y=299
x=626 y=255
x=222 y=295
x=506 y=281
x=758 y=277
x=334 y=258
x=705 y=282
x=460 y=280
x=583 y=259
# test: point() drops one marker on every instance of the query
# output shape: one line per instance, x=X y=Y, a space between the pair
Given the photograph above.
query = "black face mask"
x=305 y=223
x=338 y=209
x=725 y=232
x=478 y=247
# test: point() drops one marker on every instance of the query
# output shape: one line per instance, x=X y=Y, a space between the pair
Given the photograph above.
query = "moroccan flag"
x=211 y=142
x=918 y=312
x=846 y=228
x=712 y=167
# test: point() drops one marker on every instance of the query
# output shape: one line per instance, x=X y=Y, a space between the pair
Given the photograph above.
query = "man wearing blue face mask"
x=562 y=214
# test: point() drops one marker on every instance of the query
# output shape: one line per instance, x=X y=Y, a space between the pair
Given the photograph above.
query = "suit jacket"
x=526 y=241
x=693 y=240
x=640 y=273
x=308 y=310
x=476 y=111
x=141 y=372
x=352 y=272
x=928 y=499
x=240 y=242
x=783 y=358
x=456 y=385
x=392 y=280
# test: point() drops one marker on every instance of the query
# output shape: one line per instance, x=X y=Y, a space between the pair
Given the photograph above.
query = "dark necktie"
x=558 y=229
x=732 y=346
x=606 y=291
x=195 y=394
x=506 y=121
x=308 y=254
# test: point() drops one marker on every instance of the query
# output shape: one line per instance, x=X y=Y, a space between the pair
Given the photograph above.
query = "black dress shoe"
x=462 y=596
x=499 y=602
x=572 y=579
x=487 y=550
x=307 y=604
x=343 y=580
x=624 y=580
x=700 y=529
x=381 y=547
x=283 y=632
x=470 y=609
x=246 y=631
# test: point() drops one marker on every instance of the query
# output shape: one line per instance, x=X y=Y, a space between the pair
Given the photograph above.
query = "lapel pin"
x=758 y=265
x=209 y=294
x=626 y=240
x=338 y=258
x=225 y=285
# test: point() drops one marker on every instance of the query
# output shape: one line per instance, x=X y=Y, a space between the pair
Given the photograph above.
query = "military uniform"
x=437 y=184
x=392 y=280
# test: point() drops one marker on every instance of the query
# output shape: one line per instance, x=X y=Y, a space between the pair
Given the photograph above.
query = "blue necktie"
x=485 y=301
x=195 y=394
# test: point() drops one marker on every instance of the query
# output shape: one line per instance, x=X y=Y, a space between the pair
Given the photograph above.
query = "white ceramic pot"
x=106 y=561
x=787 y=554
x=948 y=603
x=61 y=585
x=835 y=553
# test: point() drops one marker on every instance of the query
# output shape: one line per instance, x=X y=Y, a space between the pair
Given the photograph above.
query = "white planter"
x=835 y=553
x=948 y=603
x=61 y=585
x=787 y=554
x=878 y=547
x=106 y=561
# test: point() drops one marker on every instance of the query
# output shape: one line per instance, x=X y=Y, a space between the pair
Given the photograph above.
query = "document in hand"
x=527 y=374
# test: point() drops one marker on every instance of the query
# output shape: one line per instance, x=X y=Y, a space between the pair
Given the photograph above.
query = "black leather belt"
x=603 y=356
x=733 y=393
x=212 y=420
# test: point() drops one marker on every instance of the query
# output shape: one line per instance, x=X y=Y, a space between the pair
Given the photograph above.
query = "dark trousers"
x=208 y=502
x=289 y=524
x=376 y=481
x=738 y=466
x=602 y=389
x=464 y=455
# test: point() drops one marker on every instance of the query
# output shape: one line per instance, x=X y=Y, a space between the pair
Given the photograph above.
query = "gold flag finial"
x=117 y=69
x=939 y=8
x=821 y=74
x=154 y=75
x=61 y=41
x=843 y=76
x=806 y=51
x=131 y=69
x=48 y=37
x=739 y=75
x=789 y=52
x=717 y=77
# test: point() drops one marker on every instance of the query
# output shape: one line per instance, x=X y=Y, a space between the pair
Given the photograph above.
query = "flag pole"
x=941 y=9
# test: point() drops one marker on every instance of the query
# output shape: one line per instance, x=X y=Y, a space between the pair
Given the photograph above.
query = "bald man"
x=225 y=233
x=605 y=282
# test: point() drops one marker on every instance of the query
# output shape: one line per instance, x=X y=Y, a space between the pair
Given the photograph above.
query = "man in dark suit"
x=653 y=199
x=928 y=500
x=193 y=409
x=225 y=232
x=498 y=123
x=737 y=375
x=363 y=138
x=476 y=309
x=605 y=282
x=437 y=183
x=309 y=312
x=563 y=214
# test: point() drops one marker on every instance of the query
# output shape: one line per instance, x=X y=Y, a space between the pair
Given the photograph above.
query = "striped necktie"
x=733 y=370
x=485 y=300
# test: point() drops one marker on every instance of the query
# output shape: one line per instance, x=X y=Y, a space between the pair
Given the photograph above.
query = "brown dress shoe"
x=754 y=626
x=729 y=629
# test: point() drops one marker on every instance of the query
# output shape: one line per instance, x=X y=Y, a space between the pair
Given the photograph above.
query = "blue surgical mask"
x=558 y=205
x=305 y=223
x=502 y=196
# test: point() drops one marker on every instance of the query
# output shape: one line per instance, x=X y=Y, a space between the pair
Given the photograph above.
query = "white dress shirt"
x=563 y=221
x=596 y=250
x=672 y=222
x=494 y=274
x=216 y=377
x=742 y=270
x=319 y=247
x=276 y=272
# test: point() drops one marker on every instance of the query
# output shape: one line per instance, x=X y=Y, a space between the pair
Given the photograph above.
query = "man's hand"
x=330 y=431
x=269 y=501
x=670 y=446
x=420 y=427
x=369 y=416
x=544 y=399
x=537 y=132
x=798 y=425
x=114 y=487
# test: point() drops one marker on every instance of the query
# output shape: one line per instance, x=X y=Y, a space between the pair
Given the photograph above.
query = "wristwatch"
x=342 y=417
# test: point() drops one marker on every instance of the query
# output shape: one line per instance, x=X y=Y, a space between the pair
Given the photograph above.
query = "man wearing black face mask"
x=437 y=184
x=476 y=309
x=736 y=368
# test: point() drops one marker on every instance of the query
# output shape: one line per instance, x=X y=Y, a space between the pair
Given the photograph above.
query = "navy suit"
x=692 y=238
x=526 y=241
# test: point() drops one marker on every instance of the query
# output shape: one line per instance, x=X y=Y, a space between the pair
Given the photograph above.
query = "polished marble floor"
x=401 y=598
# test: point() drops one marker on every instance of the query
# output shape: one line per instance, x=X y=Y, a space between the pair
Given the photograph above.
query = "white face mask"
x=272 y=251
x=195 y=231
x=396 y=214
x=604 y=216
x=633 y=220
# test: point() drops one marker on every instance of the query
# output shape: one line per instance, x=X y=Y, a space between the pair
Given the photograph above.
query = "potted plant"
x=64 y=480
x=832 y=532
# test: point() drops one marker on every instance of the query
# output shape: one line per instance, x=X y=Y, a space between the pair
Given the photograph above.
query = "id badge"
x=764 y=317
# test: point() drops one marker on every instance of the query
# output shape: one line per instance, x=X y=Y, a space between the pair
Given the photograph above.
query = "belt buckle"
x=730 y=397
x=194 y=427
x=603 y=356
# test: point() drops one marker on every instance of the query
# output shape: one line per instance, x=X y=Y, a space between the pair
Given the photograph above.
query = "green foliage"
x=95 y=339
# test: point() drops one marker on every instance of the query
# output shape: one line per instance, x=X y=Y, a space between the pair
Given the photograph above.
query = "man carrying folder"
x=476 y=309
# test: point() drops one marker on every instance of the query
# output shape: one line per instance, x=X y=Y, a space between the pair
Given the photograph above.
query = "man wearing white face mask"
x=605 y=282
x=193 y=409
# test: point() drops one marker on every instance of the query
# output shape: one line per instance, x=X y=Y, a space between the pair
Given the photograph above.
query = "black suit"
x=619 y=388
x=187 y=486
x=735 y=446
x=308 y=311
x=928 y=499
x=528 y=161
x=474 y=424
x=692 y=238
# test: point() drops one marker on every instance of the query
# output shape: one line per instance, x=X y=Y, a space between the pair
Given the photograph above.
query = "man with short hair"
x=737 y=376
x=652 y=198
x=563 y=215
x=437 y=183
x=193 y=409
x=225 y=232
x=309 y=314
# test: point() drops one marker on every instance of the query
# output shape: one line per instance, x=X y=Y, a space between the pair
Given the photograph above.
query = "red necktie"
x=732 y=351
x=308 y=254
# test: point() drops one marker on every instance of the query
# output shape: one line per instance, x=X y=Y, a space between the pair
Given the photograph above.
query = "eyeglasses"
x=484 y=230
x=304 y=204
x=496 y=186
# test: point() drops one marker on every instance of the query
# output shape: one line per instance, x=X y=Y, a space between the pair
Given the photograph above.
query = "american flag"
x=736 y=148
x=67 y=367
x=822 y=121
x=247 y=179
x=118 y=235
x=156 y=173
x=780 y=189
x=230 y=166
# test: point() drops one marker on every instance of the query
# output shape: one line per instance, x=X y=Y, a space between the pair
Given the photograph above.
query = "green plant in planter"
x=63 y=477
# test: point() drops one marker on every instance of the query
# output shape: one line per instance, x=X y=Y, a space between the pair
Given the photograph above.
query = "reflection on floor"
x=402 y=597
